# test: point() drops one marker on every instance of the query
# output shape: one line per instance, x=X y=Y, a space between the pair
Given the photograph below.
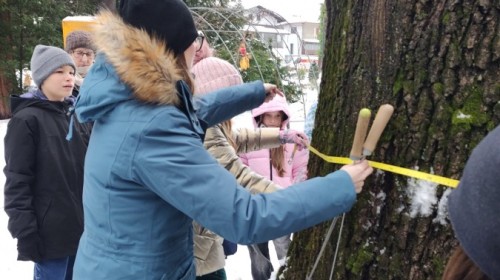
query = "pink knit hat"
x=213 y=73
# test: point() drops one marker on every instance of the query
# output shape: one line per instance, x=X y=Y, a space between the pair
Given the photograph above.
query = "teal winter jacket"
x=148 y=176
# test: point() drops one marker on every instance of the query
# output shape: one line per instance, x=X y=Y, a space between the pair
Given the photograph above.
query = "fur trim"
x=140 y=60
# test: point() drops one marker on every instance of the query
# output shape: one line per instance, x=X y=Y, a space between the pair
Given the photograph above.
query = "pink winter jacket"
x=259 y=161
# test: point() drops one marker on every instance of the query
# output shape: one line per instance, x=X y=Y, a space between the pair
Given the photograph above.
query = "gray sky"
x=288 y=8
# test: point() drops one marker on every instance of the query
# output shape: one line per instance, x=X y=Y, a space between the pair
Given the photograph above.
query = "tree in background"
x=322 y=33
x=223 y=24
x=313 y=74
x=24 y=24
x=437 y=63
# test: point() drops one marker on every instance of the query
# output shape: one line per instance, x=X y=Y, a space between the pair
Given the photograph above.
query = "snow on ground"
x=238 y=265
x=10 y=268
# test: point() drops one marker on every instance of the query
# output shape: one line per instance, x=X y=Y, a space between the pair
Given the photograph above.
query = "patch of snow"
x=442 y=212
x=463 y=116
x=381 y=195
x=422 y=197
x=10 y=268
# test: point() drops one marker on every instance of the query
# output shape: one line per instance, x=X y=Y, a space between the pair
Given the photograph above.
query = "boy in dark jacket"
x=44 y=171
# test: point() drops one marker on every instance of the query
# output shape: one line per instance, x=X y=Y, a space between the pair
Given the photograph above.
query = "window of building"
x=316 y=32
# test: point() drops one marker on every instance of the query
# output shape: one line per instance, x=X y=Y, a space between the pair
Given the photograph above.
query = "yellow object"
x=365 y=113
x=73 y=23
x=244 y=63
x=360 y=134
x=391 y=168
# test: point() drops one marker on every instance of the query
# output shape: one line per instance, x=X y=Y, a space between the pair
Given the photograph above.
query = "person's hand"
x=294 y=136
x=358 y=172
x=29 y=248
x=271 y=91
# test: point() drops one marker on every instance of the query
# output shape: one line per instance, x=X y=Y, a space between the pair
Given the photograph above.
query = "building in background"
x=295 y=41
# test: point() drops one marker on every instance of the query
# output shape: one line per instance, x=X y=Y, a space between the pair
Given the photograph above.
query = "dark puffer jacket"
x=44 y=178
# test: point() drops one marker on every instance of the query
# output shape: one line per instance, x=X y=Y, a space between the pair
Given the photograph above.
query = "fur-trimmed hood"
x=130 y=64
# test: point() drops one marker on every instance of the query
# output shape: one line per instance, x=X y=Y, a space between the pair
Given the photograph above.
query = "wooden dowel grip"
x=379 y=123
x=360 y=134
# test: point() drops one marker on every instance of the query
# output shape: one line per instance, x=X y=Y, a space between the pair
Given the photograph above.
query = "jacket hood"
x=36 y=99
x=131 y=64
x=278 y=103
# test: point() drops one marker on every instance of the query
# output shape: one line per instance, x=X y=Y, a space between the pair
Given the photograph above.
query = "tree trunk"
x=5 y=84
x=437 y=62
x=4 y=96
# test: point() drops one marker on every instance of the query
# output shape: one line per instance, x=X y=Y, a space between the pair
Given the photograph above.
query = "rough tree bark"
x=438 y=63
x=4 y=97
x=5 y=85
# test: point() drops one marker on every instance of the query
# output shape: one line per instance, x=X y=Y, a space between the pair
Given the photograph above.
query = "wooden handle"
x=360 y=134
x=381 y=119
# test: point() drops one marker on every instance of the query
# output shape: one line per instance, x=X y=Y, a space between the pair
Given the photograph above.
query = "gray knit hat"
x=79 y=39
x=475 y=206
x=45 y=60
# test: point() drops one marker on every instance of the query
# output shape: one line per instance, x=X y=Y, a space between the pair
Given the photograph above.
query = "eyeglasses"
x=199 y=41
x=80 y=54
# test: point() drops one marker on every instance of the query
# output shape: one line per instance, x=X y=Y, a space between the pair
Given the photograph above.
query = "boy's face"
x=59 y=84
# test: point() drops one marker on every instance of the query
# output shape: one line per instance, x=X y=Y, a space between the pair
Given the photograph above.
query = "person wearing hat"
x=147 y=174
x=224 y=144
x=44 y=171
x=205 y=50
x=473 y=210
x=81 y=48
x=284 y=165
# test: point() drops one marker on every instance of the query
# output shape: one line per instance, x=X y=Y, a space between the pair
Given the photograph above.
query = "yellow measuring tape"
x=391 y=168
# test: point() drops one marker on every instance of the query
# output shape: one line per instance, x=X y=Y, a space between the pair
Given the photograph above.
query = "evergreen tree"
x=24 y=24
x=313 y=74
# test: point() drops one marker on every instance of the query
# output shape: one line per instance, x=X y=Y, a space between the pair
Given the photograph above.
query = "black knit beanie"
x=475 y=206
x=168 y=20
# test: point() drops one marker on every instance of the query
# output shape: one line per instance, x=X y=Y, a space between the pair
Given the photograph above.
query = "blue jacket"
x=147 y=174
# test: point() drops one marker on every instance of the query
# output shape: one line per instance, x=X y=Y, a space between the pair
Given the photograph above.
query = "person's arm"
x=254 y=139
x=248 y=140
x=175 y=165
x=226 y=103
x=217 y=145
x=20 y=161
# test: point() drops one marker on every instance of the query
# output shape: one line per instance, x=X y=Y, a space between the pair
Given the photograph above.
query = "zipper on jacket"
x=270 y=166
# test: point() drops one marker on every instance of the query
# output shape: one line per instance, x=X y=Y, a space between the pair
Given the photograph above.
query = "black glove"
x=29 y=248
